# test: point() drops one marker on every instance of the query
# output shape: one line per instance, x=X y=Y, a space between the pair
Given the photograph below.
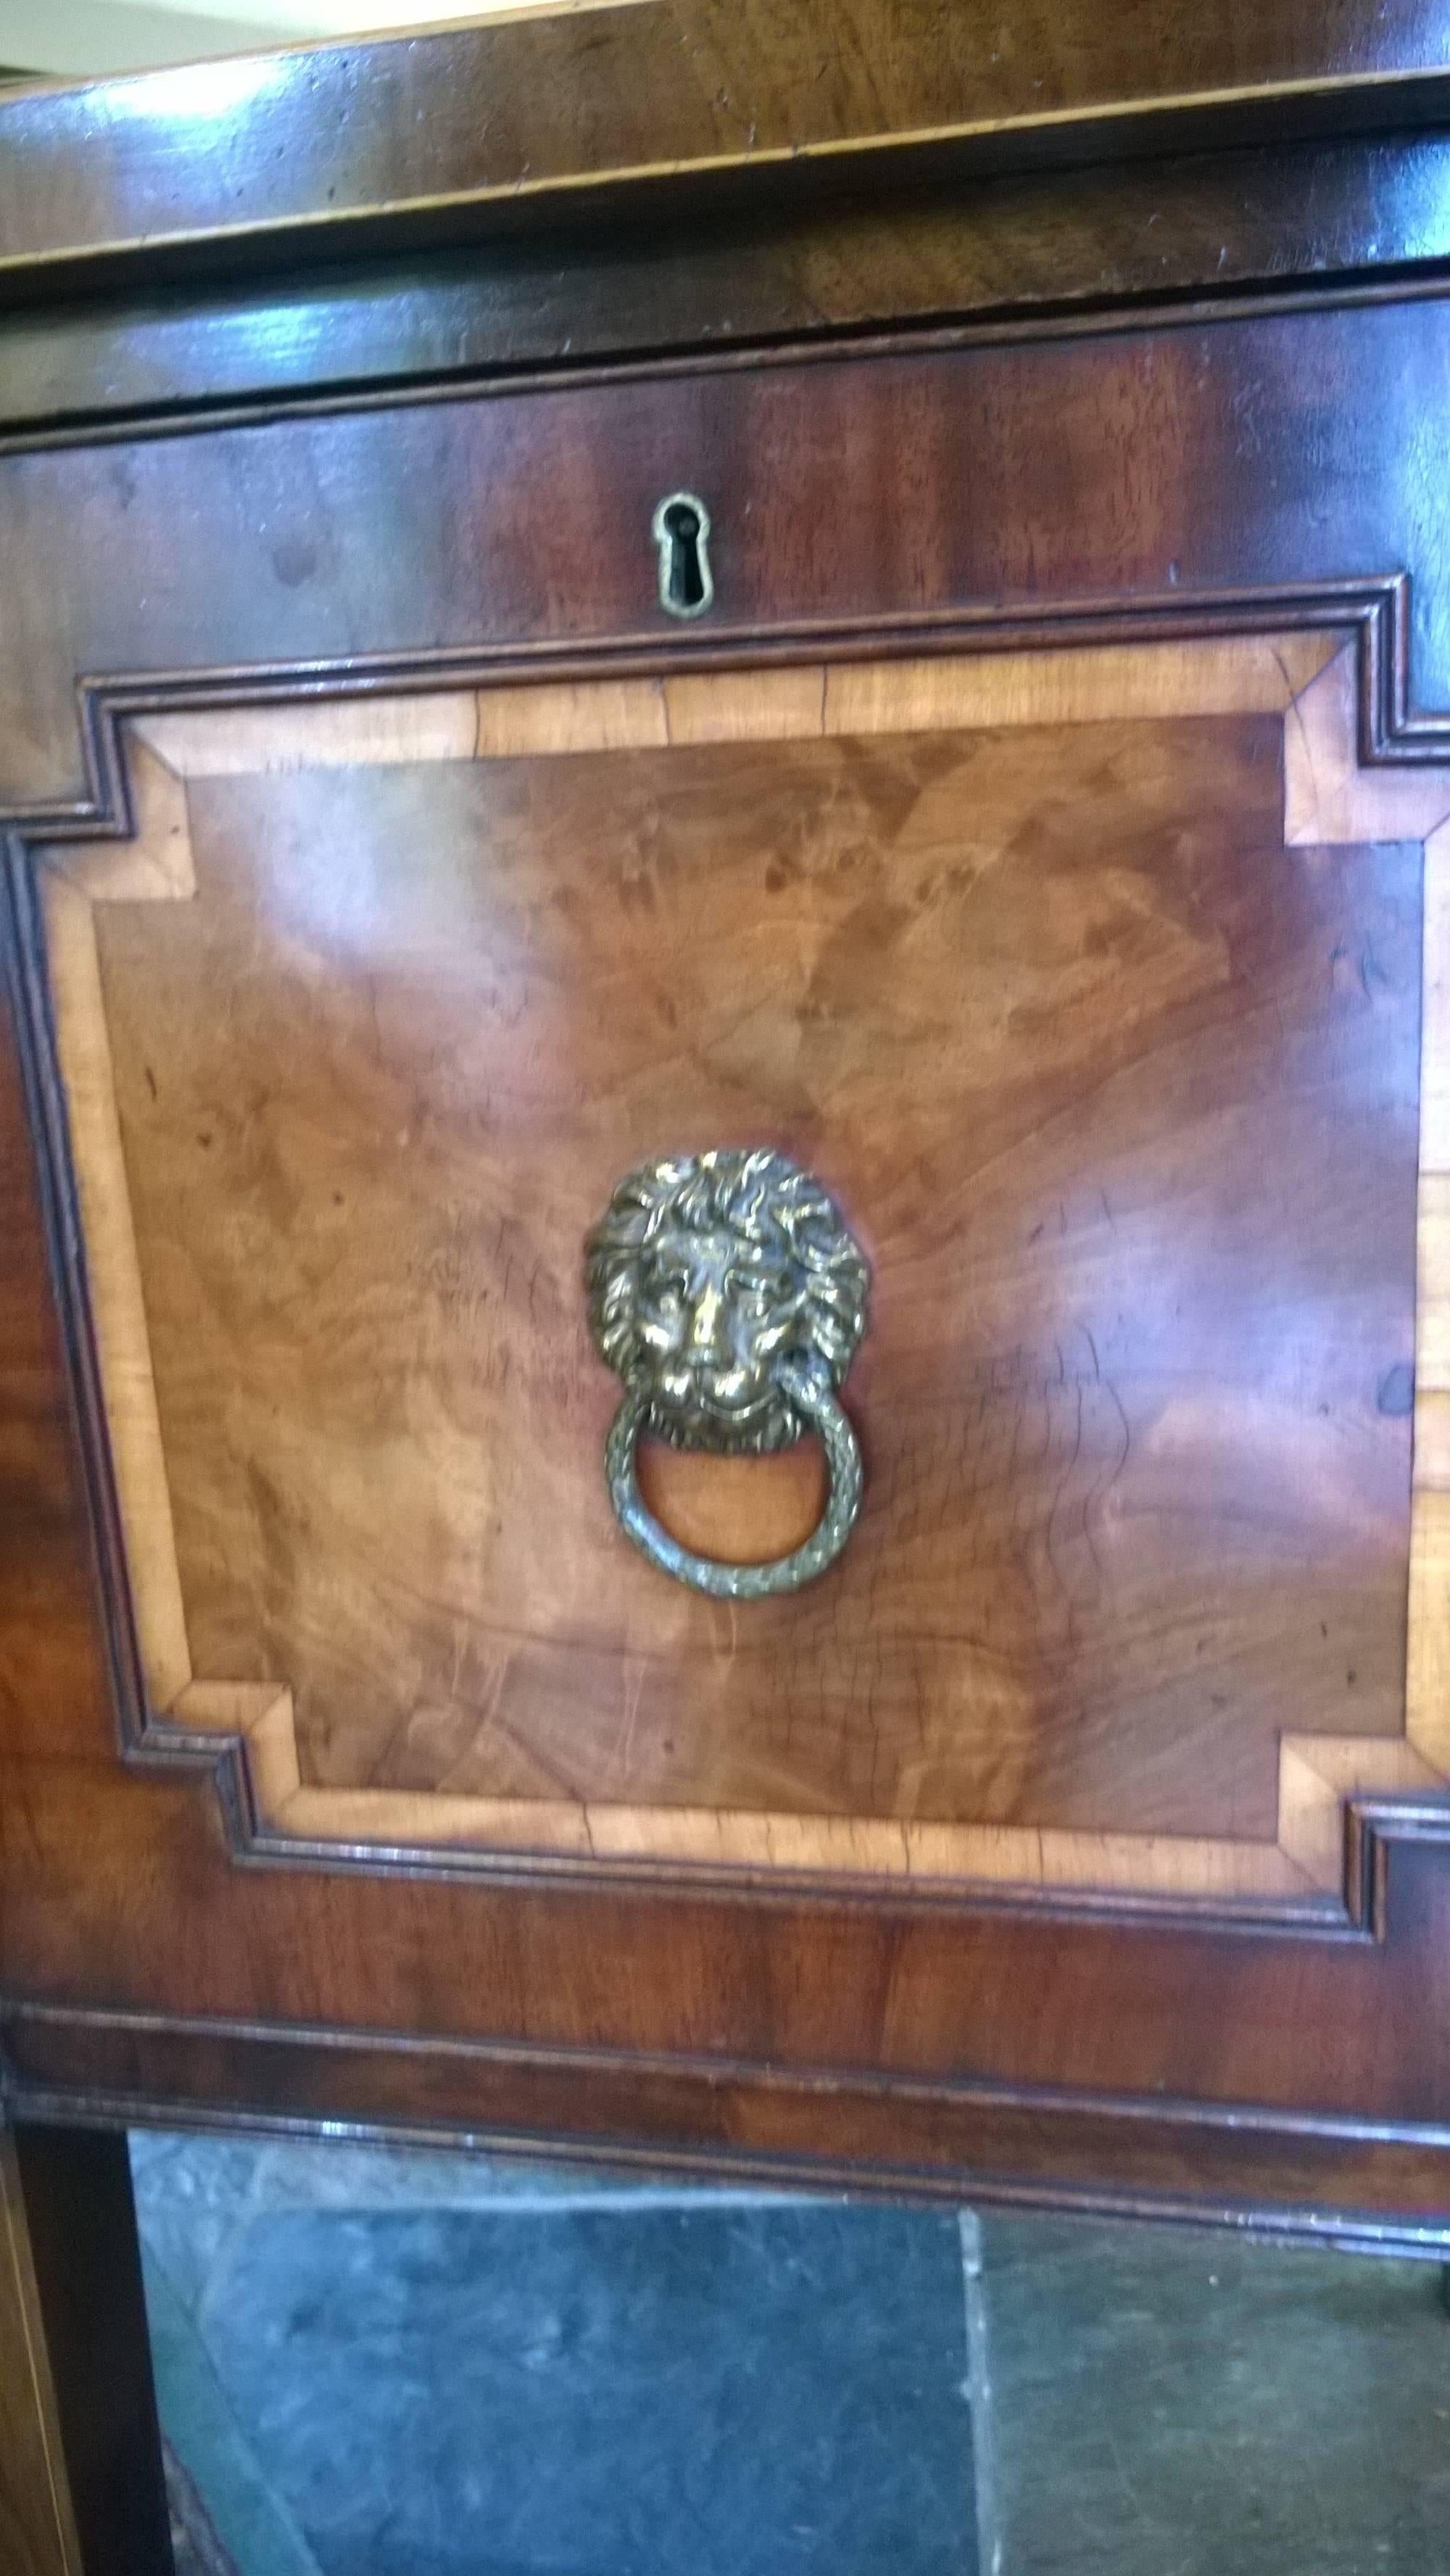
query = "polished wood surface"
x=791 y=702
x=1268 y=2054
x=295 y=570
x=518 y=118
x=1245 y=674
x=183 y=1926
x=1082 y=1598
x=985 y=251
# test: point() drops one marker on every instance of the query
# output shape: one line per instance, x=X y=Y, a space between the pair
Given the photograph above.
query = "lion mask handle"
x=727 y=1292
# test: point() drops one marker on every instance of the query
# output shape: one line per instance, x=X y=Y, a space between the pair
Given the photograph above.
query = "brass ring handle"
x=812 y=1396
x=728 y=1293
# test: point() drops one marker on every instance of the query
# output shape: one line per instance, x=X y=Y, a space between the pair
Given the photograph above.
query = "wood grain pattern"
x=37 y=2522
x=153 y=863
x=143 y=1966
x=673 y=2014
x=459 y=1766
x=1196 y=676
x=1149 y=471
x=1330 y=798
x=518 y=520
x=118 y=1305
x=1427 y=1719
x=744 y=1510
x=528 y=115
x=739 y=275
x=1366 y=2187
x=1119 y=473
x=263 y=1717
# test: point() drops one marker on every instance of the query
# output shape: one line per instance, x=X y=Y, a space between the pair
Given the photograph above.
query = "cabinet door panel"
x=1083 y=1820
x=1047 y=1006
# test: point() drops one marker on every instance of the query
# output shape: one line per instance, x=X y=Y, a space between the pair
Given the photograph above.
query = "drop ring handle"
x=810 y=1392
x=728 y=1293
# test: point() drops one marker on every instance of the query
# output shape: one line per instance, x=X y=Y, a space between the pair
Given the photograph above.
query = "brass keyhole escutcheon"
x=681 y=531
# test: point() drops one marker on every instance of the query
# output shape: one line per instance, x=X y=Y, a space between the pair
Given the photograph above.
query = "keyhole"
x=681 y=530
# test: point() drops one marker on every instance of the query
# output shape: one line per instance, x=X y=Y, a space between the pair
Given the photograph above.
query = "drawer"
x=734 y=1443
x=1111 y=1075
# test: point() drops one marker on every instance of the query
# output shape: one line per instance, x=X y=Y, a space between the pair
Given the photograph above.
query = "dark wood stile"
x=81 y=2488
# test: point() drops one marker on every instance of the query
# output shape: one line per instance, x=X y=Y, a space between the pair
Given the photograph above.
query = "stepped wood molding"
x=1306 y=686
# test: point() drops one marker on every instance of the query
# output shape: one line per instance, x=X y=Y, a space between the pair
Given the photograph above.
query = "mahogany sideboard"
x=725 y=1105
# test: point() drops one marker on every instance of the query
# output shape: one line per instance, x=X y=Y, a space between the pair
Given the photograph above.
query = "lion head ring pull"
x=727 y=1292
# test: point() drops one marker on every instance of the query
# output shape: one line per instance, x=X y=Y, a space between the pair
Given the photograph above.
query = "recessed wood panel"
x=1120 y=1093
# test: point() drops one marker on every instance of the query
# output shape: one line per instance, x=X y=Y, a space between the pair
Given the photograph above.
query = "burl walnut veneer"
x=1120 y=1091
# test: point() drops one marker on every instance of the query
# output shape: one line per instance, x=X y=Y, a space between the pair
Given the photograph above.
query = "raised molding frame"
x=1357 y=767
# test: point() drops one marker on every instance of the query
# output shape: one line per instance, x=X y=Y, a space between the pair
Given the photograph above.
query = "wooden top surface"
x=505 y=122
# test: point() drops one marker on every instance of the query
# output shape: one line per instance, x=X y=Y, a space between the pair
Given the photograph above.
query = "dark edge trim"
x=879 y=168
x=78 y=2209
x=1374 y=608
x=1352 y=2232
x=874 y=2081
x=1362 y=2229
x=1114 y=318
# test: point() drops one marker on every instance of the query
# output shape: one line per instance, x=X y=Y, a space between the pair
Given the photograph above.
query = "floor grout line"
x=979 y=2396
x=251 y=2516
x=544 y=2204
x=277 y=2183
x=220 y=2268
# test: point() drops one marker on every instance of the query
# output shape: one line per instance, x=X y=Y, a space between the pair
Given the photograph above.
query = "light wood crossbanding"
x=1305 y=680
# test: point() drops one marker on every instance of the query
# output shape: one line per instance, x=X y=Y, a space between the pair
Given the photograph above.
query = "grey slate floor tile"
x=377 y=2363
x=245 y=2512
x=746 y=2392
x=478 y=2371
x=1181 y=2404
x=340 y=2174
x=192 y=2196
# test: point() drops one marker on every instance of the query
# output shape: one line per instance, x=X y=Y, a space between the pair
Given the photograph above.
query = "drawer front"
x=1120 y=1094
x=1003 y=924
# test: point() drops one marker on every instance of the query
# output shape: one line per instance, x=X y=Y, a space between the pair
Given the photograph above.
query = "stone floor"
x=1179 y=2404
x=377 y=2364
